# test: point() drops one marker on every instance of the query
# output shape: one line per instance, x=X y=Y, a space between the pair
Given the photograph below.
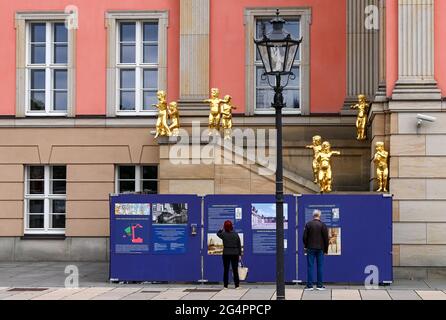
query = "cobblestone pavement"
x=46 y=281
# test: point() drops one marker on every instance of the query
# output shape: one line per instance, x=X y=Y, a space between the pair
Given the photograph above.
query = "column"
x=362 y=49
x=416 y=51
x=194 y=50
x=380 y=95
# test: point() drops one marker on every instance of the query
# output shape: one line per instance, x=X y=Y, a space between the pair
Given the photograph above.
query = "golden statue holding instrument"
x=316 y=147
x=325 y=174
x=165 y=113
x=363 y=107
x=174 y=117
x=215 y=110
x=382 y=170
x=226 y=116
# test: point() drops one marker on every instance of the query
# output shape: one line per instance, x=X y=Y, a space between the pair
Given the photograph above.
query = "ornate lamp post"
x=278 y=52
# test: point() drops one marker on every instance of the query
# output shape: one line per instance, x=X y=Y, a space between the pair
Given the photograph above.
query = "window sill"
x=273 y=112
x=43 y=237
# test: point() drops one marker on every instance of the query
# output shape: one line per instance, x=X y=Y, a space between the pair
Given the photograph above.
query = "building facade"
x=76 y=113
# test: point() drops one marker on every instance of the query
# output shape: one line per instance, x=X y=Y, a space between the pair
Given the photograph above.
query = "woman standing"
x=232 y=250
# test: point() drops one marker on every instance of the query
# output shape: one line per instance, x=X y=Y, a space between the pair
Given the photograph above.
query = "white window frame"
x=113 y=20
x=49 y=68
x=138 y=176
x=251 y=16
x=46 y=197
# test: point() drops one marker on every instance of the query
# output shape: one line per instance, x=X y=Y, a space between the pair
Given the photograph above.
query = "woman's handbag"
x=242 y=271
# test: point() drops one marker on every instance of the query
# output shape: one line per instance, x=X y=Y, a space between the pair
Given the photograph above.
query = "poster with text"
x=131 y=235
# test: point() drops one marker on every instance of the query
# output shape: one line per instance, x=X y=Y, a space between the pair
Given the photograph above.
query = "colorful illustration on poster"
x=215 y=244
x=136 y=209
x=169 y=213
x=263 y=216
x=130 y=232
x=334 y=241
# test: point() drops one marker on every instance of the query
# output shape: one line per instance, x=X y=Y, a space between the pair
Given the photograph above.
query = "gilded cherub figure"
x=316 y=147
x=226 y=116
x=361 y=121
x=382 y=170
x=162 y=128
x=215 y=110
x=174 y=117
x=325 y=174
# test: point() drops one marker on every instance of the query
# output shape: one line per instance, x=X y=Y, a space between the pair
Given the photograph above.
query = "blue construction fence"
x=173 y=237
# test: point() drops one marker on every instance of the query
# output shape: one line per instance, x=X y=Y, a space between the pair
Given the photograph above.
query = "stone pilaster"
x=380 y=95
x=416 y=51
x=362 y=49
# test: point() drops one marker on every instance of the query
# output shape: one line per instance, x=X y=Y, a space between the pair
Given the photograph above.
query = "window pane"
x=126 y=172
x=38 y=100
x=60 y=32
x=57 y=221
x=128 y=53
x=37 y=172
x=128 y=31
x=35 y=221
x=58 y=206
x=264 y=98
x=38 y=32
x=59 y=187
x=36 y=187
x=60 y=79
x=293 y=27
x=262 y=81
x=59 y=172
x=296 y=81
x=60 y=53
x=60 y=101
x=150 y=172
x=149 y=100
x=150 y=53
x=38 y=79
x=291 y=97
x=126 y=186
x=150 y=186
x=151 y=79
x=38 y=53
x=151 y=31
x=127 y=101
x=36 y=206
x=127 y=79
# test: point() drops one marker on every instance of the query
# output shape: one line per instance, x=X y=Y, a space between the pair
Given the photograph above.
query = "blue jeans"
x=311 y=255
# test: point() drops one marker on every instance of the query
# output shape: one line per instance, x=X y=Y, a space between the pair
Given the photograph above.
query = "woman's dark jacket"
x=231 y=242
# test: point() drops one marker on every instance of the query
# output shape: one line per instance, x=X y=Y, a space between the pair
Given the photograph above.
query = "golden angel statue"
x=174 y=117
x=162 y=128
x=316 y=147
x=215 y=110
x=325 y=174
x=226 y=116
x=382 y=170
x=361 y=122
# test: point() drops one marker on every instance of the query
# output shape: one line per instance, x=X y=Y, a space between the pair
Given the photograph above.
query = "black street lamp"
x=278 y=52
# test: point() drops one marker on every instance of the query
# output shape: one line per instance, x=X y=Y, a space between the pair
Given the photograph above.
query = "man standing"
x=316 y=245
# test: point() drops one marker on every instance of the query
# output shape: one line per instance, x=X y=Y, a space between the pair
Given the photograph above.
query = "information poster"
x=263 y=224
x=169 y=228
x=330 y=215
x=132 y=221
x=217 y=216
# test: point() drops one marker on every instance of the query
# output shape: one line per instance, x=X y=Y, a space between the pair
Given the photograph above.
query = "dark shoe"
x=308 y=289
x=321 y=288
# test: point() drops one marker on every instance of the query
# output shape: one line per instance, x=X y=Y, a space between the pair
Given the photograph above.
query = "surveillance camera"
x=424 y=117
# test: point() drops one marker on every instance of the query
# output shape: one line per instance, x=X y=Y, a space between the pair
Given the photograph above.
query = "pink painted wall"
x=440 y=45
x=328 y=49
x=391 y=45
x=91 y=48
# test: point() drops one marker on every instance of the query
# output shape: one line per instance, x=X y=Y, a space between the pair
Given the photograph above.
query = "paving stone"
x=87 y=294
x=259 y=294
x=59 y=294
x=374 y=295
x=290 y=294
x=431 y=295
x=230 y=294
x=317 y=295
x=116 y=294
x=171 y=294
x=28 y=295
x=199 y=296
x=345 y=294
x=403 y=295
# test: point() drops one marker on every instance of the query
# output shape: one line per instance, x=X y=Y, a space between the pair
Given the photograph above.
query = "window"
x=264 y=93
x=45 y=199
x=137 y=179
x=259 y=94
x=137 y=60
x=47 y=68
